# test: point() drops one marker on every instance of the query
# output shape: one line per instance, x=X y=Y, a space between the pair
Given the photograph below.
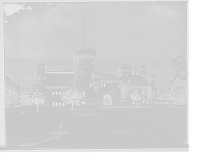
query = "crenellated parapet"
x=60 y=72
x=151 y=77
x=40 y=65
x=84 y=53
x=130 y=85
x=110 y=78
x=125 y=68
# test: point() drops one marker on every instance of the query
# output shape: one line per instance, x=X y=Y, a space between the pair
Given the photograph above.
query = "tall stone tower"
x=84 y=66
x=40 y=75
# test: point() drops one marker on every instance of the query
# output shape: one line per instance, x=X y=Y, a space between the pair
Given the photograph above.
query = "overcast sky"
x=150 y=33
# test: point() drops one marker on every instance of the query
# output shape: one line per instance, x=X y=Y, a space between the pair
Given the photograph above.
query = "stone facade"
x=126 y=85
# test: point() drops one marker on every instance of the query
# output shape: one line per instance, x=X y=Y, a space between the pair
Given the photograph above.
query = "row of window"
x=57 y=93
x=85 y=62
x=59 y=104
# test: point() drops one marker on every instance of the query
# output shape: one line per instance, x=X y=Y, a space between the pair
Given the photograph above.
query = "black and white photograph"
x=95 y=76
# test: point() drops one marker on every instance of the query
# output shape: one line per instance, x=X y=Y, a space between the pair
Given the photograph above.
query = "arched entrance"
x=107 y=99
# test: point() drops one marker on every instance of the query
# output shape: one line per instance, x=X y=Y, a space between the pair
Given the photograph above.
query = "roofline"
x=59 y=72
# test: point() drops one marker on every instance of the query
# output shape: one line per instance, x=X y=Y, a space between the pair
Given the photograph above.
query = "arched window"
x=107 y=99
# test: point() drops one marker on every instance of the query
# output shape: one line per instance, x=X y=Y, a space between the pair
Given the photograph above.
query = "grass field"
x=98 y=128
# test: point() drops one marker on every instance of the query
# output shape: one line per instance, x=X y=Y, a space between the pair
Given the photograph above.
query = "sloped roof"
x=60 y=79
x=138 y=79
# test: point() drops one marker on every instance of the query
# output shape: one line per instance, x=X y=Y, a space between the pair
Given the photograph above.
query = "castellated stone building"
x=125 y=86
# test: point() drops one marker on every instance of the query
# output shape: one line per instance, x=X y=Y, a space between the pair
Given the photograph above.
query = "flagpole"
x=83 y=32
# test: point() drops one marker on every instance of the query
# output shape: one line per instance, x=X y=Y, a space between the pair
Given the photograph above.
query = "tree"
x=135 y=95
x=178 y=85
x=11 y=92
x=72 y=96
x=37 y=97
x=24 y=96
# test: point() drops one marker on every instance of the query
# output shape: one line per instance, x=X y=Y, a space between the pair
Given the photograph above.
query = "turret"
x=142 y=70
x=96 y=79
x=151 y=86
x=136 y=70
x=40 y=71
x=125 y=71
x=41 y=76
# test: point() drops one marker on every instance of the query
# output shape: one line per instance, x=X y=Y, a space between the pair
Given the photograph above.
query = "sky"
x=138 y=33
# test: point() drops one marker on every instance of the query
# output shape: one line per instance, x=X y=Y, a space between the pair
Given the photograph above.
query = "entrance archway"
x=107 y=99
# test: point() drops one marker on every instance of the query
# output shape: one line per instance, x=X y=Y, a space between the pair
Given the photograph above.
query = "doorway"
x=107 y=100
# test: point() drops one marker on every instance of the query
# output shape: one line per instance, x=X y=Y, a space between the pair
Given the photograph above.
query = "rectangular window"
x=83 y=94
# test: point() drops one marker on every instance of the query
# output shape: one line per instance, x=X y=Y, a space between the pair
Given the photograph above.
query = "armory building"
x=124 y=86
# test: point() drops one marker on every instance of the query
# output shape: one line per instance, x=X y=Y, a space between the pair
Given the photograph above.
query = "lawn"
x=98 y=128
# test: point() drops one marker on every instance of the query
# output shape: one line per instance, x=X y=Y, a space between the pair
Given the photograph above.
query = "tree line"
x=14 y=95
x=178 y=86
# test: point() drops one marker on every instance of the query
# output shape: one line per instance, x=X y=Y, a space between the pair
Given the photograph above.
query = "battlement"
x=82 y=53
x=83 y=48
x=60 y=72
x=40 y=65
x=141 y=67
x=125 y=68
x=151 y=77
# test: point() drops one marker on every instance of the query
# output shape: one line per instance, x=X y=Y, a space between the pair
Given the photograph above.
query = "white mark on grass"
x=56 y=136
x=155 y=114
x=119 y=131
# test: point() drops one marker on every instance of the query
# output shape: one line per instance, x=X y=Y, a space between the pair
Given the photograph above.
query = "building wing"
x=59 y=79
